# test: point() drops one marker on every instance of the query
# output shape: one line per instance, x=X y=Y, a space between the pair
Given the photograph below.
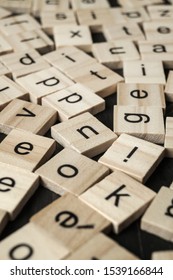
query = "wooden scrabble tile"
x=4 y=217
x=16 y=188
x=140 y=121
x=136 y=157
x=5 y=47
x=70 y=171
x=139 y=3
x=67 y=58
x=141 y=95
x=17 y=6
x=97 y=18
x=4 y=70
x=27 y=116
x=51 y=18
x=135 y=14
x=16 y=24
x=10 y=90
x=99 y=78
x=160 y=12
x=144 y=71
x=158 y=219
x=159 y=30
x=24 y=62
x=26 y=150
x=70 y=221
x=28 y=243
x=153 y=51
x=73 y=101
x=119 y=198
x=85 y=134
x=39 y=6
x=34 y=39
x=80 y=4
x=162 y=255
x=169 y=137
x=124 y=31
x=112 y=54
x=169 y=87
x=4 y=13
x=44 y=82
x=69 y=35
x=101 y=247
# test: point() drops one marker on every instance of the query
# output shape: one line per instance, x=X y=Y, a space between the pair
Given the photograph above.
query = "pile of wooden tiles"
x=55 y=78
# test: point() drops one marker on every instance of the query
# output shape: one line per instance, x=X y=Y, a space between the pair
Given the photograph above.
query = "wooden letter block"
x=97 y=77
x=143 y=122
x=70 y=221
x=136 y=157
x=141 y=95
x=24 y=63
x=85 y=134
x=70 y=171
x=158 y=219
x=39 y=6
x=112 y=54
x=16 y=24
x=17 y=6
x=144 y=71
x=139 y=3
x=25 y=149
x=68 y=58
x=154 y=51
x=135 y=14
x=10 y=90
x=80 y=4
x=169 y=137
x=119 y=198
x=28 y=243
x=101 y=247
x=44 y=82
x=169 y=87
x=160 y=12
x=73 y=101
x=69 y=35
x=27 y=116
x=162 y=255
x=34 y=39
x=125 y=31
x=159 y=30
x=5 y=47
x=16 y=188
x=4 y=217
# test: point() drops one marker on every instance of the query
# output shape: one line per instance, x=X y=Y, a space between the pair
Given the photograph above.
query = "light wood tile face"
x=4 y=70
x=141 y=95
x=79 y=4
x=17 y=6
x=28 y=243
x=73 y=35
x=14 y=193
x=144 y=71
x=72 y=172
x=70 y=221
x=97 y=77
x=135 y=14
x=73 y=101
x=85 y=134
x=144 y=122
x=136 y=157
x=161 y=12
x=158 y=219
x=158 y=30
x=44 y=82
x=26 y=150
x=112 y=54
x=139 y=3
x=100 y=247
x=125 y=31
x=162 y=255
x=169 y=87
x=34 y=39
x=119 y=198
x=3 y=220
x=5 y=47
x=4 y=13
x=49 y=6
x=10 y=90
x=27 y=116
x=16 y=24
x=24 y=63
x=151 y=50
x=169 y=137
